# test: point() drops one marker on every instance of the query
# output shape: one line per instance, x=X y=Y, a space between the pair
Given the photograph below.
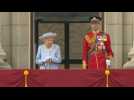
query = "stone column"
x=21 y=39
x=113 y=24
x=5 y=40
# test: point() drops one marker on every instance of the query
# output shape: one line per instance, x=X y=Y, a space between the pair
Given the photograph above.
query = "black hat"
x=95 y=19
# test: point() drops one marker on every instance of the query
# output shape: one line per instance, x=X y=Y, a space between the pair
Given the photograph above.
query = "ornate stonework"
x=3 y=64
x=130 y=62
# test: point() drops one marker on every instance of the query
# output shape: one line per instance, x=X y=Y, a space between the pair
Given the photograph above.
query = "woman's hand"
x=48 y=61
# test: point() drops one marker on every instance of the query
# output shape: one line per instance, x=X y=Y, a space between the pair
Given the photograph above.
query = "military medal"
x=99 y=38
x=104 y=38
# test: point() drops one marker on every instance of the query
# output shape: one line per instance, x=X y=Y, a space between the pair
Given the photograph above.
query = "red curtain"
x=121 y=78
x=11 y=78
x=66 y=78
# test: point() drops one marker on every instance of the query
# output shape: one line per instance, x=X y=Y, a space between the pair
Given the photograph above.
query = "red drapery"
x=66 y=78
x=11 y=78
x=121 y=78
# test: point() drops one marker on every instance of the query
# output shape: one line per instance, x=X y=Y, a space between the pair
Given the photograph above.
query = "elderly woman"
x=48 y=55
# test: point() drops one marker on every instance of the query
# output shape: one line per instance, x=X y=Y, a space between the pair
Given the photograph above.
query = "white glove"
x=47 y=58
x=108 y=62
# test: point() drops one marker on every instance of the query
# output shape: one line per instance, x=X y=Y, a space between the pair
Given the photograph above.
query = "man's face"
x=95 y=25
x=49 y=40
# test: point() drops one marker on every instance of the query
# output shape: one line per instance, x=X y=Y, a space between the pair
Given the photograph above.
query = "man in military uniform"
x=97 y=52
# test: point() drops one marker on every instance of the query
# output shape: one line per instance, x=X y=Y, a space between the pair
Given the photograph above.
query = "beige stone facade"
x=120 y=25
x=15 y=36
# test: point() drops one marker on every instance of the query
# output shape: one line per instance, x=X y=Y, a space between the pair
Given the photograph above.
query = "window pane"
x=77 y=32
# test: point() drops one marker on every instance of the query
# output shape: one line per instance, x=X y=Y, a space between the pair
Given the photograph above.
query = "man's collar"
x=96 y=31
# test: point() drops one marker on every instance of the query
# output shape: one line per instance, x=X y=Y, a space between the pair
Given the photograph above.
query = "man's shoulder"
x=89 y=37
x=88 y=34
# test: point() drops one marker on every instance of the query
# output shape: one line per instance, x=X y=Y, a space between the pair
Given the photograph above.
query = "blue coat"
x=45 y=53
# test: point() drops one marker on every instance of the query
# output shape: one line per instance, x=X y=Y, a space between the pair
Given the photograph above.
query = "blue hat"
x=48 y=34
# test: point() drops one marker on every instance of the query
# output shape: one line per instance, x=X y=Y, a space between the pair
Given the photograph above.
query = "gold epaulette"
x=90 y=40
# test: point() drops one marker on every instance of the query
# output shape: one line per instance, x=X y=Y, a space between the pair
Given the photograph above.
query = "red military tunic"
x=96 y=58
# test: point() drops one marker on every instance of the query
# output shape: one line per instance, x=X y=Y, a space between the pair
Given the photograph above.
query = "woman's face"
x=49 y=40
x=95 y=26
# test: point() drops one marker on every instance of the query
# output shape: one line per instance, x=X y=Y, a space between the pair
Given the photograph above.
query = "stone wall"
x=15 y=32
x=120 y=26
